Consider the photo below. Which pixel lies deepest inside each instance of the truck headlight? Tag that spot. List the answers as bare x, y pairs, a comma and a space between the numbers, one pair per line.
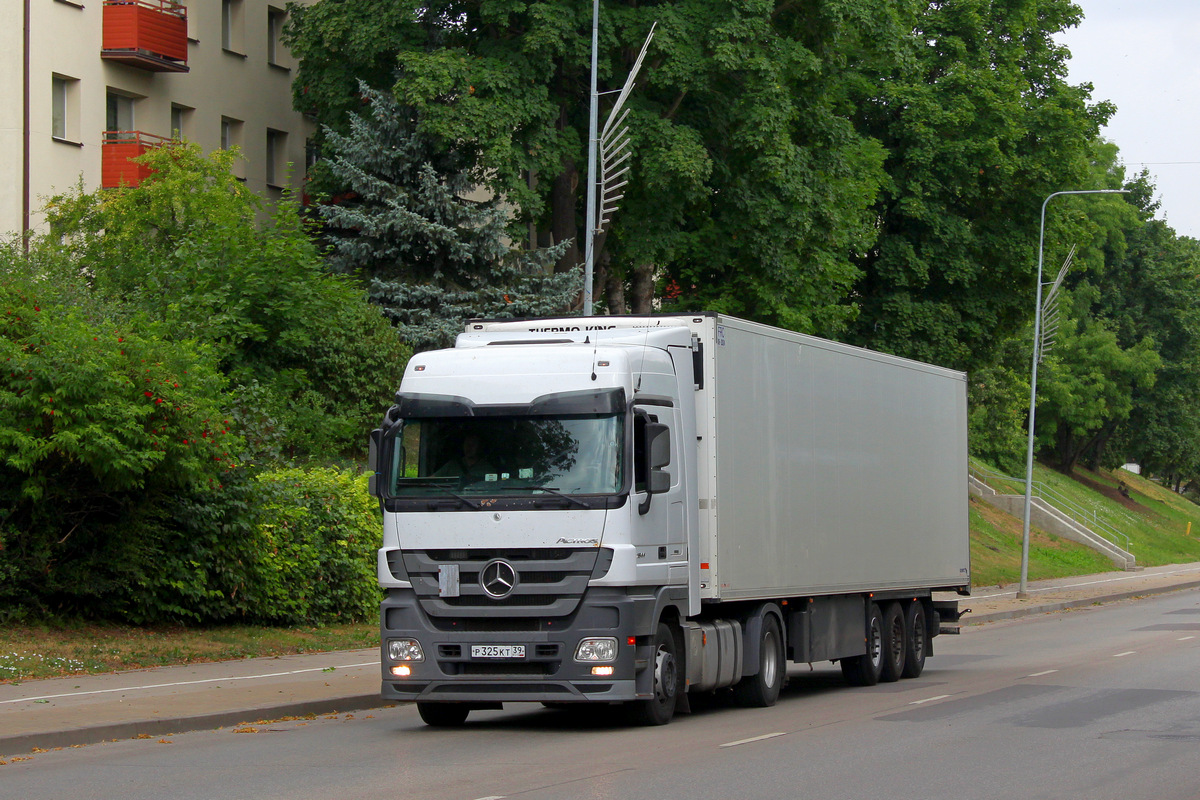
597, 649
405, 650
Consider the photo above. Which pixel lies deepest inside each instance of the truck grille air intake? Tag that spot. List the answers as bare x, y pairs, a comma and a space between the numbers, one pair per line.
547, 582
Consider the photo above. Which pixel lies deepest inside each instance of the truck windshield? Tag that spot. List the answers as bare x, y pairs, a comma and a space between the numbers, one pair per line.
578, 454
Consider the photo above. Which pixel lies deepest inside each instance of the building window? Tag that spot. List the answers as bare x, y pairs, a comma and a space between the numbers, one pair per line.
276, 157
181, 121
118, 113
231, 133
64, 108
275, 49
232, 25
231, 137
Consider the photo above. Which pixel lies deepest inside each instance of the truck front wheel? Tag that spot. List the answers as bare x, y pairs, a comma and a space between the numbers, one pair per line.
667, 679
443, 715
762, 690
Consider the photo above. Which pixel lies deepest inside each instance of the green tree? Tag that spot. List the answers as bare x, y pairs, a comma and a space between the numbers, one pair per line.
316, 363
980, 126
1086, 388
432, 254
101, 418
751, 184
1149, 289
157, 347
998, 406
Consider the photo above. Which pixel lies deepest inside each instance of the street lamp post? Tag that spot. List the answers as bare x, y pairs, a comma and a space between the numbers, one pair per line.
1037, 355
593, 137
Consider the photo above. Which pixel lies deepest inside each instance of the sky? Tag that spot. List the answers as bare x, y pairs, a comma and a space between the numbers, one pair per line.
1143, 57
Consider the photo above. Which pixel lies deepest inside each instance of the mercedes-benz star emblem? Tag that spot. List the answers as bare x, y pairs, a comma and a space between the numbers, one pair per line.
498, 579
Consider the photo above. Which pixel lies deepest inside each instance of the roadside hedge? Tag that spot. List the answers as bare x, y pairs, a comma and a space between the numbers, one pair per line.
291, 546
316, 536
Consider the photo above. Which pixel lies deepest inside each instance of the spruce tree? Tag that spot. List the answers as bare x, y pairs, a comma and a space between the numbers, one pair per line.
410, 224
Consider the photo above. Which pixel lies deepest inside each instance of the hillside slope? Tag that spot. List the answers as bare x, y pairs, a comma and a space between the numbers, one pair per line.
1154, 518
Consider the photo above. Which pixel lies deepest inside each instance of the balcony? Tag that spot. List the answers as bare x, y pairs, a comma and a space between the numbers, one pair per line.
119, 146
148, 34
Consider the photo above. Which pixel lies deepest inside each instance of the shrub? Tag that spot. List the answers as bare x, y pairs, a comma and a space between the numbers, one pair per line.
99, 417
316, 535
187, 247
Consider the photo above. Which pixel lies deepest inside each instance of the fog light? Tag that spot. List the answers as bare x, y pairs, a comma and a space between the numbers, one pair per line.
597, 649
402, 671
602, 670
405, 650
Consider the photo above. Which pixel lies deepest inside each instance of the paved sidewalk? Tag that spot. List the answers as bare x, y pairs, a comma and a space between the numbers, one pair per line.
992, 603
76, 710
84, 709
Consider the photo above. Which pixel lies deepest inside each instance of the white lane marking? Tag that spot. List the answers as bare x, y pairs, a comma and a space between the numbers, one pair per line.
754, 739
929, 699
492, 797
1185, 638
1043, 672
228, 679
1126, 653
1082, 583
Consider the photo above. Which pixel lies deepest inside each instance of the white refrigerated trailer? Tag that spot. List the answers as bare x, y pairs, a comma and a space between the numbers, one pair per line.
632, 509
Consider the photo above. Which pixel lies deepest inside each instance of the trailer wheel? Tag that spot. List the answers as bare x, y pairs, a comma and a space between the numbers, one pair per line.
894, 643
443, 715
667, 679
864, 670
914, 635
762, 690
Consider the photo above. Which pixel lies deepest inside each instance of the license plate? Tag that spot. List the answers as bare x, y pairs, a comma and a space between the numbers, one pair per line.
497, 651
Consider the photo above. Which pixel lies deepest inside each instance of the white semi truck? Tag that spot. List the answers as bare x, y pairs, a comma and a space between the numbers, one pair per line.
631, 509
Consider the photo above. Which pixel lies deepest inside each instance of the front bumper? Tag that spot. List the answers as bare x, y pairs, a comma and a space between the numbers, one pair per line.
547, 673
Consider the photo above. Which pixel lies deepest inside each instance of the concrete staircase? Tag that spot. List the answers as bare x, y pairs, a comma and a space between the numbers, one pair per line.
1053, 520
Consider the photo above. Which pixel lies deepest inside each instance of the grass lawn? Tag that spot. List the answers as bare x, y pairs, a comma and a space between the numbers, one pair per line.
996, 551
1153, 517
29, 651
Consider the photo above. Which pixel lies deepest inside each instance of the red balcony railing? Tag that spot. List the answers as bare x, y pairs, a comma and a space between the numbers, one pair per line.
119, 146
150, 34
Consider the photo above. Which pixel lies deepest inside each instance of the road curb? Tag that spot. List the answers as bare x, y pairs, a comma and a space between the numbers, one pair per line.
1046, 608
166, 726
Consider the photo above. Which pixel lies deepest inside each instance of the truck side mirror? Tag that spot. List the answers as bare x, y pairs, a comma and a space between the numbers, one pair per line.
373, 487
658, 444
657, 450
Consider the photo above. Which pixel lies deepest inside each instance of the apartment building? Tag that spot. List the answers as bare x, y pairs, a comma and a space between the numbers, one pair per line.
86, 84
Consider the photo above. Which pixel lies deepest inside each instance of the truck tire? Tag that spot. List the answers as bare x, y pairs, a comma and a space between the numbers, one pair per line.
894, 644
762, 690
667, 683
864, 670
443, 715
915, 637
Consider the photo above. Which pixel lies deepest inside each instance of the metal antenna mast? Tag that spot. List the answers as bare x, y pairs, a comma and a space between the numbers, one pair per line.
1050, 311
610, 148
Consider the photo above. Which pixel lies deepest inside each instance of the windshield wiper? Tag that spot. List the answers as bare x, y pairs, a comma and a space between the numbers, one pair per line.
554, 491
436, 485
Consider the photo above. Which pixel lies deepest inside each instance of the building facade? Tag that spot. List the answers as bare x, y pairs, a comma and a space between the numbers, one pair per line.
86, 84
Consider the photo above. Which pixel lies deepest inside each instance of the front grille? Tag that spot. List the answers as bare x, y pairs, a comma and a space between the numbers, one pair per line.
550, 581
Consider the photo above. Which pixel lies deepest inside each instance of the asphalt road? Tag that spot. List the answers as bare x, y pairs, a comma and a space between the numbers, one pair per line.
1099, 703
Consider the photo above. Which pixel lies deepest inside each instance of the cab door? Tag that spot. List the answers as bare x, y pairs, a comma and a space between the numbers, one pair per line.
658, 513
